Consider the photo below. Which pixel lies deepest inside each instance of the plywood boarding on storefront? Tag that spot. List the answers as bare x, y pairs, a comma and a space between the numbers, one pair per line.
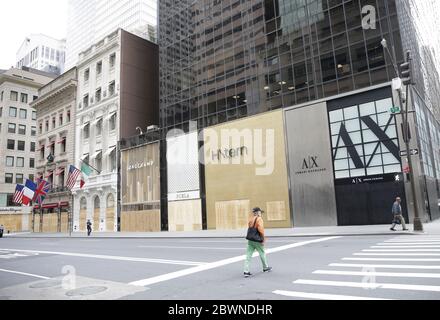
37, 223
185, 215
64, 222
110, 219
50, 223
11, 222
140, 221
229, 184
96, 219
83, 220
232, 214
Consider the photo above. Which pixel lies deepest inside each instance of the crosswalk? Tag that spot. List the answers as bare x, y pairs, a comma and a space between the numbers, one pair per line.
405, 267
8, 255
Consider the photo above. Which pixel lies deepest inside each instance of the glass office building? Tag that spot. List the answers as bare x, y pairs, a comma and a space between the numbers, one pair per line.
223, 60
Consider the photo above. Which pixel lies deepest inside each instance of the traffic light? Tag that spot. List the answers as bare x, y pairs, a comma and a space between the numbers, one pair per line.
405, 71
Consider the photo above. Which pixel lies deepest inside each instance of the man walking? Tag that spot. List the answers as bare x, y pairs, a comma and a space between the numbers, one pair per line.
256, 222
398, 215
89, 228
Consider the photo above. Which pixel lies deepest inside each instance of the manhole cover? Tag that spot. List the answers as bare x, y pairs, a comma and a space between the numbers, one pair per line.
86, 291
45, 284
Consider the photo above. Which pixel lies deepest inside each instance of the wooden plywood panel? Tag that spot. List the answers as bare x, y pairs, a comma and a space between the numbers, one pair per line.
65, 222
50, 223
11, 222
110, 219
185, 215
231, 215
37, 223
83, 220
140, 221
276, 211
96, 220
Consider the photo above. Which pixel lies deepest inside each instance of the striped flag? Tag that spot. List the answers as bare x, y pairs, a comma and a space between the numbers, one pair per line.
43, 188
18, 195
29, 192
72, 177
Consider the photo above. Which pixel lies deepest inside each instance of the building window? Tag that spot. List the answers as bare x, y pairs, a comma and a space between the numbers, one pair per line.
20, 162
12, 127
63, 145
68, 116
32, 146
52, 147
23, 114
21, 146
112, 60
86, 75
112, 122
111, 88
14, 96
19, 178
33, 131
98, 162
99, 68
87, 131
31, 177
22, 129
34, 115
112, 158
12, 112
98, 95
11, 144
35, 98
40, 128
61, 119
99, 127
9, 178
31, 163
9, 161
42, 151
1, 97
54, 122
86, 101
1, 111
24, 98
47, 125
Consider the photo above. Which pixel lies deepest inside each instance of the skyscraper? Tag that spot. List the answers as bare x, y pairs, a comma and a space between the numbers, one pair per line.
92, 20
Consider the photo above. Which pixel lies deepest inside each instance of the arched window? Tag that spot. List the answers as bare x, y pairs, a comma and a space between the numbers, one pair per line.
83, 203
97, 203
110, 201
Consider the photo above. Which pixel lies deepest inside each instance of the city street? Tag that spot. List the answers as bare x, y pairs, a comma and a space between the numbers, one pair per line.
323, 267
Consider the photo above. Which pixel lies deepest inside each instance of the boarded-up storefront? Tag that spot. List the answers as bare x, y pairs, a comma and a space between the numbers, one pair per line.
245, 167
140, 189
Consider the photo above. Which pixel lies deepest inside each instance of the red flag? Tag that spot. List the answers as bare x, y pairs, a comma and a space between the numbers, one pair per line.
82, 183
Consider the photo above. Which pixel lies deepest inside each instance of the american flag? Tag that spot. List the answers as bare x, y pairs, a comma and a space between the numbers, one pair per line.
73, 176
43, 188
18, 195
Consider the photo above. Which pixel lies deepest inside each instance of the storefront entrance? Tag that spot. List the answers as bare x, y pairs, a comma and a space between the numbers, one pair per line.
363, 202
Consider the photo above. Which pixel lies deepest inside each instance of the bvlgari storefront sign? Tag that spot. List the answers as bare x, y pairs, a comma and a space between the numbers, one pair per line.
310, 164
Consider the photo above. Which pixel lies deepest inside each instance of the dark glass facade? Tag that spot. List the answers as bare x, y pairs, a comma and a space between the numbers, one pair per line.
224, 60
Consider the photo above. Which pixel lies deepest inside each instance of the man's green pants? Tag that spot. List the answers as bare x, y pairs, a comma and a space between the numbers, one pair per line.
252, 246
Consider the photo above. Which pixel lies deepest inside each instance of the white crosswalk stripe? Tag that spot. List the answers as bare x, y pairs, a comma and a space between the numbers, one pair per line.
411, 262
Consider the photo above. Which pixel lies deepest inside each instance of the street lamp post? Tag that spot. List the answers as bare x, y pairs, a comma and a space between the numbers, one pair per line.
418, 225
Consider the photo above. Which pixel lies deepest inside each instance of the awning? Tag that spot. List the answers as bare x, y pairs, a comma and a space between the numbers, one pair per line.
84, 125
59, 171
110, 150
97, 154
41, 147
49, 174
50, 145
48, 206
64, 204
84, 157
97, 120
62, 140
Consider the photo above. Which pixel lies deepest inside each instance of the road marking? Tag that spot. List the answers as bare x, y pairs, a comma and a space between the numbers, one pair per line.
378, 274
396, 254
409, 244
392, 286
25, 274
221, 263
391, 259
413, 240
319, 296
384, 266
131, 259
197, 248
403, 247
401, 250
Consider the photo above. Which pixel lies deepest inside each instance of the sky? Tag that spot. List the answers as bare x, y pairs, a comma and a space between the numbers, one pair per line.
20, 18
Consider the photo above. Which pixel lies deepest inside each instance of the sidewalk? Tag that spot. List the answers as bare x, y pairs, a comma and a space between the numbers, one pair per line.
432, 228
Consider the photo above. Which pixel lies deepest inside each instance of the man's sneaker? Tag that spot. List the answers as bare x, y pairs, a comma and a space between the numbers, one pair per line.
247, 274
269, 269
392, 229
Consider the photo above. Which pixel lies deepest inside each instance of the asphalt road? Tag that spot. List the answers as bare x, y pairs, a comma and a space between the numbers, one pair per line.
352, 267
